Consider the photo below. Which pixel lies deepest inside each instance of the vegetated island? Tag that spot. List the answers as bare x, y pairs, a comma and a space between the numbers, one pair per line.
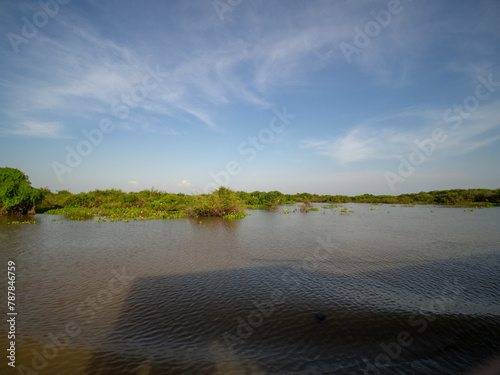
17, 196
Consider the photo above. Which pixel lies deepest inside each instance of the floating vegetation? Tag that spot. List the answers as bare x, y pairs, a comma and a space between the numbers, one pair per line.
372, 208
286, 212
306, 206
73, 213
331, 206
344, 210
235, 215
304, 209
23, 222
136, 214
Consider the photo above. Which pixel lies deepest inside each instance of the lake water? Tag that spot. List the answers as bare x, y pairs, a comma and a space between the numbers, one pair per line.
402, 290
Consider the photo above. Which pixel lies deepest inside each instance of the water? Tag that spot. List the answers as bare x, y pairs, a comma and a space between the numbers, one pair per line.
404, 290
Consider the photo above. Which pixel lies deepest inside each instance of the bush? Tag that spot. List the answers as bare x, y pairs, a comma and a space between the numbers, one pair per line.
17, 196
221, 202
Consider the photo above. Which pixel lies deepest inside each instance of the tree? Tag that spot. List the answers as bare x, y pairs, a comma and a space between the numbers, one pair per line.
17, 196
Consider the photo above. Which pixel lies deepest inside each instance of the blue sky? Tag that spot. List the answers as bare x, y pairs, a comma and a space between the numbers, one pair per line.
329, 97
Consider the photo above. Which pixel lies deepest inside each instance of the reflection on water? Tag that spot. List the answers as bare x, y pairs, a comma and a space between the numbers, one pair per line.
404, 291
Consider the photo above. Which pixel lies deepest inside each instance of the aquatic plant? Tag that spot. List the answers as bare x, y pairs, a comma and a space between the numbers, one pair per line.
344, 210
306, 206
73, 213
23, 222
238, 215
332, 206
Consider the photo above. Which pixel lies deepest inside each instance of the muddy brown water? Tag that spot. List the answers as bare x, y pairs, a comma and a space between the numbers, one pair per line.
403, 291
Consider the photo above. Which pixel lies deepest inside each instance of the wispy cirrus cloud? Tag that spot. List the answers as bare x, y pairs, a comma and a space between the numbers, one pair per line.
36, 129
89, 69
372, 140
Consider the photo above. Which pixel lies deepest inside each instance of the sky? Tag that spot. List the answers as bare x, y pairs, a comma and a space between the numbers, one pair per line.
327, 97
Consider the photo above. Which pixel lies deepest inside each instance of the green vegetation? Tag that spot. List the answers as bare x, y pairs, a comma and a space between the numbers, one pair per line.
459, 197
344, 210
115, 205
17, 196
331, 206
222, 202
239, 215
23, 222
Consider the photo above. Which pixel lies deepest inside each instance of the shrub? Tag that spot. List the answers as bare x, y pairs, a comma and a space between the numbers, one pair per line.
221, 202
17, 196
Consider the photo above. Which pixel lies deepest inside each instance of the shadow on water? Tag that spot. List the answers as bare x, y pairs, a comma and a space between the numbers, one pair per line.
9, 219
262, 321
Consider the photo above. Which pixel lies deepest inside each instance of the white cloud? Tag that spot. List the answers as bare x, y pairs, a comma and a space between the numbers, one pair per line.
37, 129
89, 71
374, 141
245, 62
184, 184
